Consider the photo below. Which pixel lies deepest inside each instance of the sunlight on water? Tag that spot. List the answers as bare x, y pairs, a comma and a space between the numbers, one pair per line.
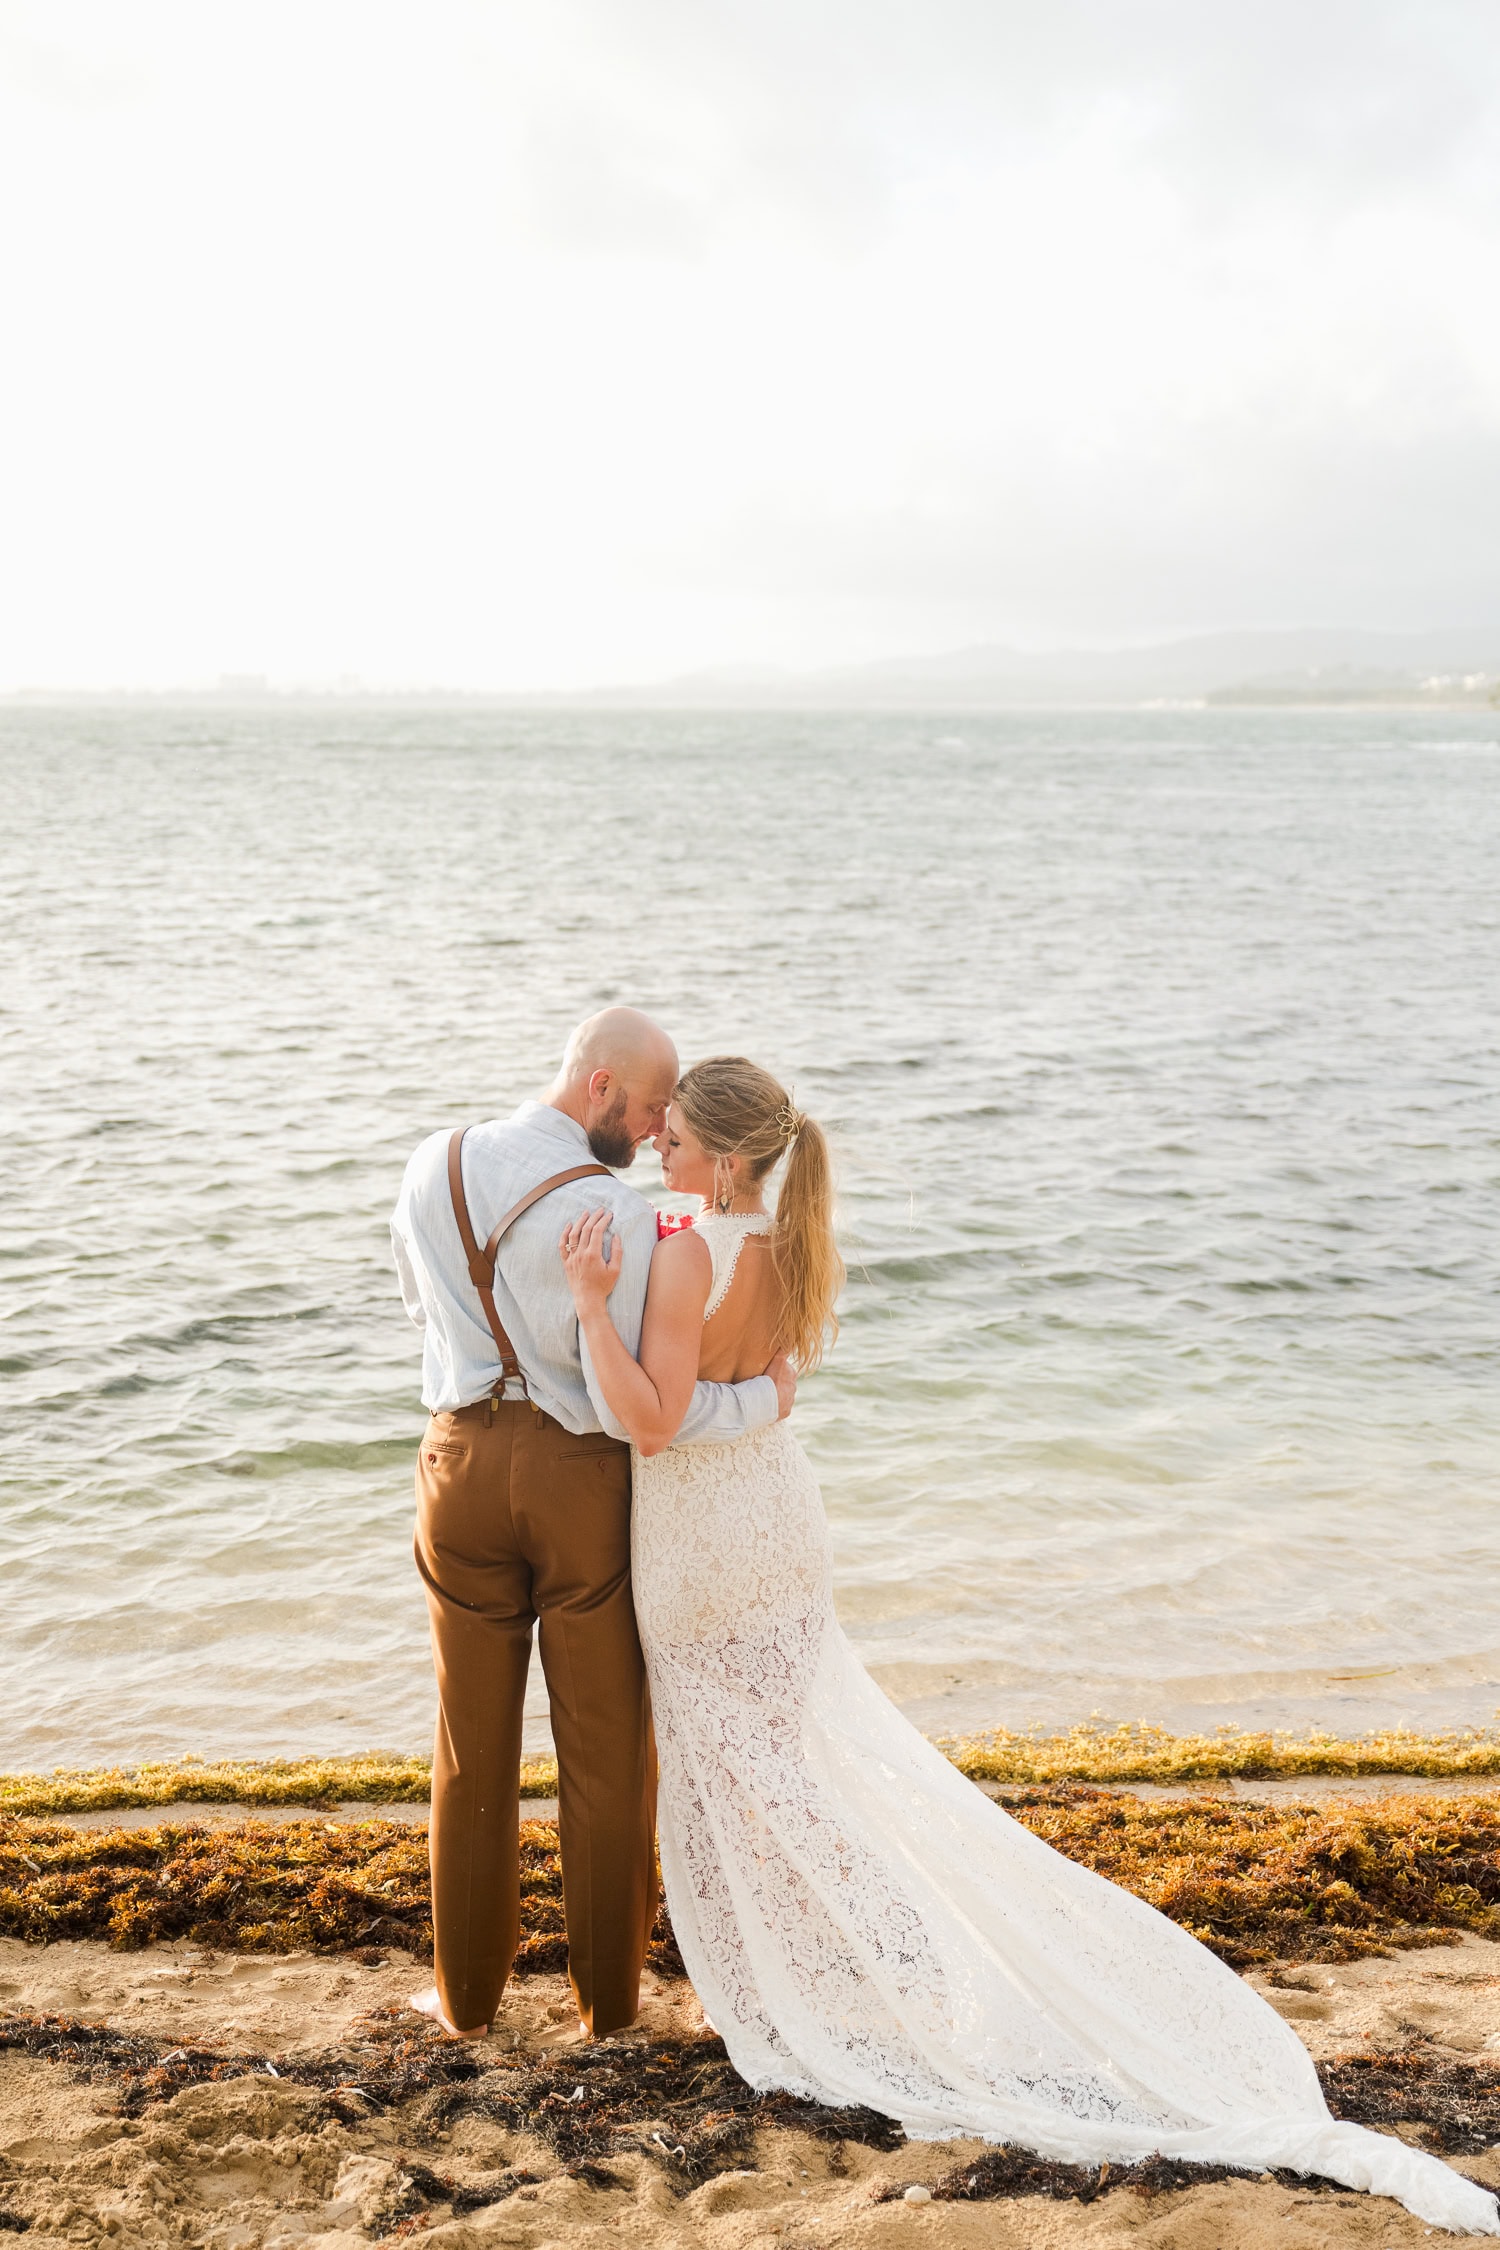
1161, 1053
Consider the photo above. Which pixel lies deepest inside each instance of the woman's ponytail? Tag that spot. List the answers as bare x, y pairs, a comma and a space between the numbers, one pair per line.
808, 1264
736, 1109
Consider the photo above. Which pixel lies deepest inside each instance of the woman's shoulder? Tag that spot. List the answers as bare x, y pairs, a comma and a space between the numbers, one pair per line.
681, 1250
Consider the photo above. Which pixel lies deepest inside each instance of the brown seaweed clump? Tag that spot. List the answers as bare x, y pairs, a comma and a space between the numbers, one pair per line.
1257, 1883
1292, 1882
1456, 2104
308, 1886
1003, 2173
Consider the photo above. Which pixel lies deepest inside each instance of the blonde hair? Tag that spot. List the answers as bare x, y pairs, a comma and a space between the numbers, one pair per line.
734, 1108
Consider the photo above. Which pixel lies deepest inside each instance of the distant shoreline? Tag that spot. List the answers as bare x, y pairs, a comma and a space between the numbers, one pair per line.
1314, 668
623, 705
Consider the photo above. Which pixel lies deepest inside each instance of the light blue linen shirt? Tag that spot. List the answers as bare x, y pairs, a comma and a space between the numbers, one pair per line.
460, 1361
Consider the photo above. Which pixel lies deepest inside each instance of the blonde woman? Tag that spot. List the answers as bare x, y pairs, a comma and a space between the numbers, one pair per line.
860, 1923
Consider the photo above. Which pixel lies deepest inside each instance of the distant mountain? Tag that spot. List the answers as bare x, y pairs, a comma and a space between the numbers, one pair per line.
1457, 665
1461, 664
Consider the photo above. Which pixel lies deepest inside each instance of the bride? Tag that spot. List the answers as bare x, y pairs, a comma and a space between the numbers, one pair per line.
861, 1924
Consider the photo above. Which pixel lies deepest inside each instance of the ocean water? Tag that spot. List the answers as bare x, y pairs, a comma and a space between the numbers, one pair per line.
1161, 1053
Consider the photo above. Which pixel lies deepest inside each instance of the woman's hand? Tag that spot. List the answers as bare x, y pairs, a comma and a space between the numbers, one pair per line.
591, 1272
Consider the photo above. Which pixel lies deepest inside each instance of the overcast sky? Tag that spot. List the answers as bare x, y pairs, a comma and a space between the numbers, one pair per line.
517, 345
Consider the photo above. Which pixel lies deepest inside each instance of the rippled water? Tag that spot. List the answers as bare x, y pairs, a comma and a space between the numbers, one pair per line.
1162, 1053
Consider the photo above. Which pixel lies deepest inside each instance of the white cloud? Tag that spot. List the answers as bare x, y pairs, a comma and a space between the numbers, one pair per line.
497, 344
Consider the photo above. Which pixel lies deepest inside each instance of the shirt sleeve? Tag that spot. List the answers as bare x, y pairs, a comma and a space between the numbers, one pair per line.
406, 1272
716, 1412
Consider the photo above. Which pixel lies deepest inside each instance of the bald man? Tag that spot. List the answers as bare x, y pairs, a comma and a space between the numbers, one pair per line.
523, 1515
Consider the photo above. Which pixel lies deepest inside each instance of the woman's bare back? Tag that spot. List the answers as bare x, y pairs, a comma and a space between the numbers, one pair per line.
743, 1331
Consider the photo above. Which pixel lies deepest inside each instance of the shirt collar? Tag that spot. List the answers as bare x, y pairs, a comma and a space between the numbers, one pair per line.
541, 1117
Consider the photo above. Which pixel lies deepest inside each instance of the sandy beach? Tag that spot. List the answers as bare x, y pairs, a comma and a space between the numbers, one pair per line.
256, 2100
252, 2161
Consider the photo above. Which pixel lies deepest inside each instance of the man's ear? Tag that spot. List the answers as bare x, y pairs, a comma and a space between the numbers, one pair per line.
599, 1085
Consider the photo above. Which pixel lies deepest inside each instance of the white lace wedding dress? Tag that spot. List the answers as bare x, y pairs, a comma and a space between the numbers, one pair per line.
863, 1925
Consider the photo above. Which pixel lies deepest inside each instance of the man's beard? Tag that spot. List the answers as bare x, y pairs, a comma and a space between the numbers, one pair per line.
610, 1142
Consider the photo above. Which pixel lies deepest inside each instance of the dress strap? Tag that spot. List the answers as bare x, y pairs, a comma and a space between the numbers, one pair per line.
726, 1233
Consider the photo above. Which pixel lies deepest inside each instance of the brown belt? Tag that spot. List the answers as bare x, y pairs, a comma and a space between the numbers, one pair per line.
482, 1262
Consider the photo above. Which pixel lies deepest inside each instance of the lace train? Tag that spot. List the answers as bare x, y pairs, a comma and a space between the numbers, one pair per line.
863, 1925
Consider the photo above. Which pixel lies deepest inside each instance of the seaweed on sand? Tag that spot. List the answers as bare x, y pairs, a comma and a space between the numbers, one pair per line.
1288, 1882
1456, 2104
253, 1887
393, 2057
375, 1777
1257, 1883
1002, 2173
1138, 1752
314, 1886
421, 2186
1093, 1752
679, 2102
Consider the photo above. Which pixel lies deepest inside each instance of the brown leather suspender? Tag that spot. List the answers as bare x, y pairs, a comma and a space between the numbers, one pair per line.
482, 1262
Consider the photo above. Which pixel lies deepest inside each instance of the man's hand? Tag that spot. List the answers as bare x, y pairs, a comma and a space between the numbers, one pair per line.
784, 1376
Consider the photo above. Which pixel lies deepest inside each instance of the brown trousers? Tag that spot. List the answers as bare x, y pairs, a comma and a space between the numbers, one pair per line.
518, 1520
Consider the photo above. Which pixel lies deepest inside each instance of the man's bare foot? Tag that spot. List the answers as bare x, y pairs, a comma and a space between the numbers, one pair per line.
428, 2004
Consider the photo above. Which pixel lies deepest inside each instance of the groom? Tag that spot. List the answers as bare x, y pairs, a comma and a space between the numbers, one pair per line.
523, 1515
